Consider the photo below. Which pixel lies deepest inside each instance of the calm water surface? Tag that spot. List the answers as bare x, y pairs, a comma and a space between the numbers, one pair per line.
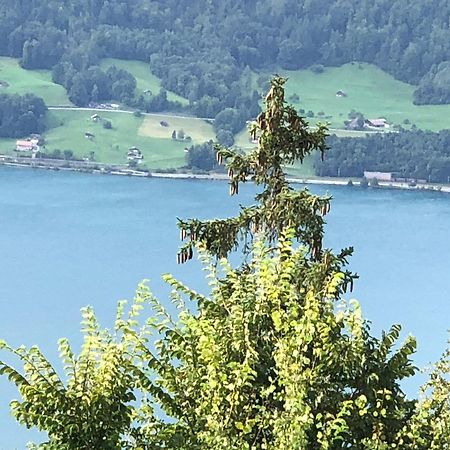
68, 240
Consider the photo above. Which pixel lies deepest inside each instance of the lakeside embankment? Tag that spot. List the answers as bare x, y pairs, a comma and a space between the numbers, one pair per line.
124, 170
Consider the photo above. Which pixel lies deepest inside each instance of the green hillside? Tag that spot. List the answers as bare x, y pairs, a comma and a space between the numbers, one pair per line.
110, 146
369, 90
144, 78
15, 80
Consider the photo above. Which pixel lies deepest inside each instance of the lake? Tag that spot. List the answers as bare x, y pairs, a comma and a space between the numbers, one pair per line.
68, 240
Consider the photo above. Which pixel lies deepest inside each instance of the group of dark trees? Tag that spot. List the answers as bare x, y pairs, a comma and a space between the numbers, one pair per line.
205, 50
202, 156
93, 84
410, 154
227, 123
21, 115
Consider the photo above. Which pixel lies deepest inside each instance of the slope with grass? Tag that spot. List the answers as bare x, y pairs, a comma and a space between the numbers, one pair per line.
111, 145
66, 131
368, 90
145, 80
15, 80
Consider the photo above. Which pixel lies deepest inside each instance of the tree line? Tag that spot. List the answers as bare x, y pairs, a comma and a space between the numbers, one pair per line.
410, 154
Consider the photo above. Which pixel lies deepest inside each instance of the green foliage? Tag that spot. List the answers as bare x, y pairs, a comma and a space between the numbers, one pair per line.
229, 119
419, 155
364, 183
274, 360
429, 428
92, 407
202, 156
225, 138
21, 116
94, 84
434, 86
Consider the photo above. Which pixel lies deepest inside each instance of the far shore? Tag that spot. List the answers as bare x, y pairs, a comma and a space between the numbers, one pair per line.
123, 170
317, 180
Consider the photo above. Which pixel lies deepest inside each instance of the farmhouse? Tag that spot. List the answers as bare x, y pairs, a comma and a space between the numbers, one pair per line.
341, 94
88, 135
134, 154
376, 123
95, 117
30, 145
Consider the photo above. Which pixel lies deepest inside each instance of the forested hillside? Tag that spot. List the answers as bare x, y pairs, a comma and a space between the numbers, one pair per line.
204, 49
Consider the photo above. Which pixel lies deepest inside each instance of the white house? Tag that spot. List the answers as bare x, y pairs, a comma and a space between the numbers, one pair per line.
27, 145
380, 176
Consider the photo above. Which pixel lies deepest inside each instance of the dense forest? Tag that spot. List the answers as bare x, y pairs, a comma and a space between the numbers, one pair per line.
411, 154
205, 50
21, 115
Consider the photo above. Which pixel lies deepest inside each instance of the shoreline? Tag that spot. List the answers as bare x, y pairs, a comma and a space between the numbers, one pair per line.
122, 170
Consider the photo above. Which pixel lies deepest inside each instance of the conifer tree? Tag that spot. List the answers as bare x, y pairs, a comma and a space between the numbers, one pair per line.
283, 138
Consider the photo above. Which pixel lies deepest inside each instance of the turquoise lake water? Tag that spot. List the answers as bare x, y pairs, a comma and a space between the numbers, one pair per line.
68, 240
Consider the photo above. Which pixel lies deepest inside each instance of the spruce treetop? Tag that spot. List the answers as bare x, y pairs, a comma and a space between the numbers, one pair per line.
283, 138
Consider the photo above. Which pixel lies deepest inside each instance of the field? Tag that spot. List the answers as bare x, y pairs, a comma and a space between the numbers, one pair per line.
144, 78
15, 80
199, 130
67, 129
369, 91
110, 146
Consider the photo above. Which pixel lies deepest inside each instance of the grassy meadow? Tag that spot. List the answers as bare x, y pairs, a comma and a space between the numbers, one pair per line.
369, 90
144, 78
199, 130
110, 146
67, 132
15, 80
